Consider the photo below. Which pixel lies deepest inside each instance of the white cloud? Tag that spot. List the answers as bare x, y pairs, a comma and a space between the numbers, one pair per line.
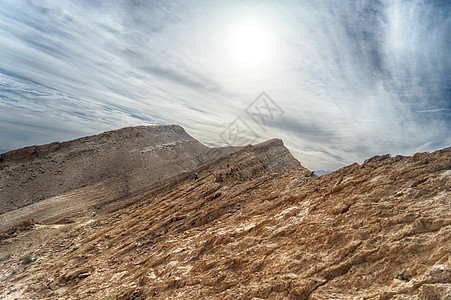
354, 78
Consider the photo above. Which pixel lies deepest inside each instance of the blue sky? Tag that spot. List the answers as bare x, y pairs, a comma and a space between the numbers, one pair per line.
345, 80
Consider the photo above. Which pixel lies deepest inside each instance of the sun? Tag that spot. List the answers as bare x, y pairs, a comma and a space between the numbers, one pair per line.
249, 43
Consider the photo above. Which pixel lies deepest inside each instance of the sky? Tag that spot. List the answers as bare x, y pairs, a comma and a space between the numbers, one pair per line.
338, 81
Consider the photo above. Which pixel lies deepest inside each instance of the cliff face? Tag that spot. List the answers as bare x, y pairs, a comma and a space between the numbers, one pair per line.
66, 179
379, 230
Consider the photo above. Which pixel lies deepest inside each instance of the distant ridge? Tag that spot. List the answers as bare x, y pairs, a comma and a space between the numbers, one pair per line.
112, 135
321, 172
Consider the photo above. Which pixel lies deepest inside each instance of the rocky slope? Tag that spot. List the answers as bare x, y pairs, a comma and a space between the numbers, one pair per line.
62, 179
379, 230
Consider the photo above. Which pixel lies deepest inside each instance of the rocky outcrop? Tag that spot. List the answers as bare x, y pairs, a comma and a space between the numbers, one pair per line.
255, 161
379, 230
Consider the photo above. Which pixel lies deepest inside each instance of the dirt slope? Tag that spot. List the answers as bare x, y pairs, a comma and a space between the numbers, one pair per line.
379, 230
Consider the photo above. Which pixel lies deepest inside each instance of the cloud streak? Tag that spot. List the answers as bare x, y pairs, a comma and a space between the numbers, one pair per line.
353, 78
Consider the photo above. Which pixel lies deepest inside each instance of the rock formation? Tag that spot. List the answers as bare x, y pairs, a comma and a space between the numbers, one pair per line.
379, 230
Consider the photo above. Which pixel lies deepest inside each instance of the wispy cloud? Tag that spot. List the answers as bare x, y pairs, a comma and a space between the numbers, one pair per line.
354, 78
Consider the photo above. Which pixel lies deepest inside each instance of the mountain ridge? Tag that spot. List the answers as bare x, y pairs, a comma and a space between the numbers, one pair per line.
111, 166
28, 152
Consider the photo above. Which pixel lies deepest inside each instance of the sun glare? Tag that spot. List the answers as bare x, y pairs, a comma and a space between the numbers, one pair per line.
249, 44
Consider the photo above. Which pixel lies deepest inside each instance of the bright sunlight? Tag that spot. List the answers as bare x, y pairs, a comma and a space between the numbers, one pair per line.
249, 44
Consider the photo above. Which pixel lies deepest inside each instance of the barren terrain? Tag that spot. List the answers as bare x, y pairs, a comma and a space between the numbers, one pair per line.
250, 228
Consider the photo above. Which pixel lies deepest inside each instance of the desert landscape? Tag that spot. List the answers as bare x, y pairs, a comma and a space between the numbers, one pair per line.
120, 215
229, 149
